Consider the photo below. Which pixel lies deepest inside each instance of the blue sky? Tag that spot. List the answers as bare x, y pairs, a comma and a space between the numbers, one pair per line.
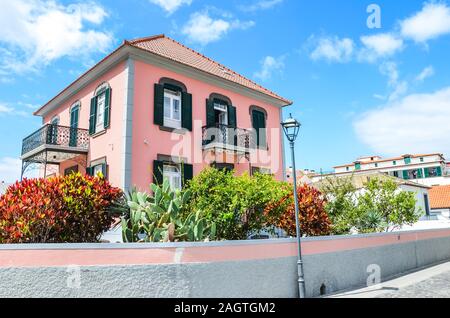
357, 90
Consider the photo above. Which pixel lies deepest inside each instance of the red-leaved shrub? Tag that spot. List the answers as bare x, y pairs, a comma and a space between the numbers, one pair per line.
314, 220
72, 209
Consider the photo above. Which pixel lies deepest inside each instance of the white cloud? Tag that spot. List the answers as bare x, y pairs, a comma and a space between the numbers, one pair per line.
4, 109
10, 169
260, 5
417, 123
426, 73
269, 66
203, 29
380, 45
431, 22
398, 88
390, 70
333, 49
171, 5
36, 32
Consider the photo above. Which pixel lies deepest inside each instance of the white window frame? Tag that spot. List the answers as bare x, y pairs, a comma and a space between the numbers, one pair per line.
97, 168
172, 172
171, 120
100, 114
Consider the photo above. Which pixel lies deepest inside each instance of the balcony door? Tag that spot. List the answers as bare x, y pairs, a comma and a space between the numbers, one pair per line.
52, 133
221, 116
74, 114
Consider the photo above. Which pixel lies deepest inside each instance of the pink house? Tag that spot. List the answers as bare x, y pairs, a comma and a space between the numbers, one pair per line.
154, 108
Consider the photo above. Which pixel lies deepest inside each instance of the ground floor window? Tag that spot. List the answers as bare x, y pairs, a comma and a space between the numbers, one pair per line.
259, 170
223, 166
172, 173
71, 170
98, 166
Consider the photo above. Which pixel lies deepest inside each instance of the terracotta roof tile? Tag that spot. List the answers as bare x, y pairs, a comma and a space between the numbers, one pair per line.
440, 197
173, 50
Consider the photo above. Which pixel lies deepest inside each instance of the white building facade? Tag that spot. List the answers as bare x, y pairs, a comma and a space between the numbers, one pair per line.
426, 169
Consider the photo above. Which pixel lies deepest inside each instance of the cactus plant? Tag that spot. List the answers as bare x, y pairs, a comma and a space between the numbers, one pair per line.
157, 217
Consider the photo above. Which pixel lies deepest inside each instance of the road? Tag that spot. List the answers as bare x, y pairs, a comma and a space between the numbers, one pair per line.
433, 282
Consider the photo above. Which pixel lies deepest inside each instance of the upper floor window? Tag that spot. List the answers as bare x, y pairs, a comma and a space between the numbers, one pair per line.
173, 105
99, 118
259, 117
172, 109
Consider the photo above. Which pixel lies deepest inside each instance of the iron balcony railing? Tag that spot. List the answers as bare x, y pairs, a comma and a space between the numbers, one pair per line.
55, 135
228, 136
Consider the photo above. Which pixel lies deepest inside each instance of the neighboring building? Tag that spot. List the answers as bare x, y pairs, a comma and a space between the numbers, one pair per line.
360, 180
440, 200
427, 169
303, 176
155, 108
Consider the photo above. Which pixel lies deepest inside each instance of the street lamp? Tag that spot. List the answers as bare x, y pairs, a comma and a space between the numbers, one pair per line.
291, 129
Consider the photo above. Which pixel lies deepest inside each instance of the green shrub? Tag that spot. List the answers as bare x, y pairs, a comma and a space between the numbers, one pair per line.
235, 203
74, 209
158, 218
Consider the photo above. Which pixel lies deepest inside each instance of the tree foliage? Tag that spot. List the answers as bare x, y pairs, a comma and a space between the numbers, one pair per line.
313, 218
379, 206
235, 203
73, 209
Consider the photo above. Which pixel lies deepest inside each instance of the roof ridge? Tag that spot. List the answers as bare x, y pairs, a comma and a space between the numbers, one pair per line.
147, 38
150, 38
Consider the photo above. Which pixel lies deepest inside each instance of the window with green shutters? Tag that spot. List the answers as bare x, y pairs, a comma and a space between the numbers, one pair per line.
183, 172
100, 111
259, 124
405, 174
407, 160
172, 107
358, 166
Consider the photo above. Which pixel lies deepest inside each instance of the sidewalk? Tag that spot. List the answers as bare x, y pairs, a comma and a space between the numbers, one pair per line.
433, 282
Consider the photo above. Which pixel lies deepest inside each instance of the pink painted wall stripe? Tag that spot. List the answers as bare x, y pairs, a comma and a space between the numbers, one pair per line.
201, 254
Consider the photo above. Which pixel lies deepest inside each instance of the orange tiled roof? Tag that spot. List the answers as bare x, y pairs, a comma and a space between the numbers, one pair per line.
175, 51
166, 47
440, 197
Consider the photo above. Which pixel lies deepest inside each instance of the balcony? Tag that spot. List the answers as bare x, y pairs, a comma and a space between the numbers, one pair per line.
54, 144
226, 138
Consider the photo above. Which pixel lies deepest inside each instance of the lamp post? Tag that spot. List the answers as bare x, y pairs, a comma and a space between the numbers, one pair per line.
291, 129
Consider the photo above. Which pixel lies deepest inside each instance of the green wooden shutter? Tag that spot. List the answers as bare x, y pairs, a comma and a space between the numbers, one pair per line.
210, 113
188, 173
420, 173
89, 171
426, 172
232, 116
158, 167
93, 116
439, 171
259, 124
74, 115
158, 111
107, 108
405, 174
186, 111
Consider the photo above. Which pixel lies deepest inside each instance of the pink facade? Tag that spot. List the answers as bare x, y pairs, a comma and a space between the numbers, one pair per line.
132, 141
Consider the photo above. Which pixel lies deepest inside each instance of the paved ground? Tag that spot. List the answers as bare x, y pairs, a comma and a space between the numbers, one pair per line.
433, 282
